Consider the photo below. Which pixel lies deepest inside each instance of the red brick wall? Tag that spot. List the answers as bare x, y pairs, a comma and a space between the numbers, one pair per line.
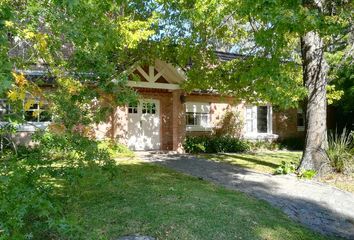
172, 118
285, 124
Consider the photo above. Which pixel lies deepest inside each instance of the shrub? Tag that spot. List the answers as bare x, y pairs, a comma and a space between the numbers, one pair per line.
339, 151
214, 144
6, 142
28, 206
292, 143
37, 183
115, 149
286, 168
307, 174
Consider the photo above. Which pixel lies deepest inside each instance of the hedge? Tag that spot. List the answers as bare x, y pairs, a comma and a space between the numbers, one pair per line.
215, 144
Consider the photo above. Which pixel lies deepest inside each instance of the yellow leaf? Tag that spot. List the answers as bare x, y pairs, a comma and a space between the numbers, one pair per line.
28, 34
9, 24
28, 104
19, 79
12, 95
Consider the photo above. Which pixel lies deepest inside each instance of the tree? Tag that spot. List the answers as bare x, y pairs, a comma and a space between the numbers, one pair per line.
281, 49
87, 47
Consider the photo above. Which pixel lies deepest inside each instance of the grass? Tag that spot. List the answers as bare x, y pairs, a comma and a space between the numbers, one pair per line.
268, 161
265, 162
341, 181
140, 198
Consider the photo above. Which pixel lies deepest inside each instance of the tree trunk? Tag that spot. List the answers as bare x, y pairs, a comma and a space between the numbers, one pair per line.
315, 70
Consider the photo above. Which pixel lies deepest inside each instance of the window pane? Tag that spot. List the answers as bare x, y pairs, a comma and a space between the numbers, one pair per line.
153, 108
31, 116
190, 119
250, 119
197, 119
204, 120
262, 123
45, 116
149, 108
38, 113
133, 108
145, 107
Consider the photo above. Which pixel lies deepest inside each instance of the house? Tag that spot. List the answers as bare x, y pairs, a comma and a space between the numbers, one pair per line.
166, 114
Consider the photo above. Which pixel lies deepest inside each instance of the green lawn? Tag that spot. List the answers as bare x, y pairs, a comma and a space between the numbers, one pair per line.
139, 198
268, 161
265, 162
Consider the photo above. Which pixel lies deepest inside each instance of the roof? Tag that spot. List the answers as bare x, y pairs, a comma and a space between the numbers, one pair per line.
227, 56
39, 74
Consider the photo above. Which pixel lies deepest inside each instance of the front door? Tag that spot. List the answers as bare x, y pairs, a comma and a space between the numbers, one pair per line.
144, 125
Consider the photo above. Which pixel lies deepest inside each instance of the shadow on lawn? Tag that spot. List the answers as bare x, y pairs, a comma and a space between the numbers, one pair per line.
314, 214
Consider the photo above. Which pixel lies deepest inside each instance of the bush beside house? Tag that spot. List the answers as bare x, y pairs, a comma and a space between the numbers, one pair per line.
215, 144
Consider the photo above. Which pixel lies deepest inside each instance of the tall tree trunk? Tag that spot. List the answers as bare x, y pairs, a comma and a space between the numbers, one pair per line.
315, 70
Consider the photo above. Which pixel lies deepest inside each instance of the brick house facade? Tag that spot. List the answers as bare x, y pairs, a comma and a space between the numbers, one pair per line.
178, 114
166, 114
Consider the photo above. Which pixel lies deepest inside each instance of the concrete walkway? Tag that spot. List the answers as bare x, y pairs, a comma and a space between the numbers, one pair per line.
320, 207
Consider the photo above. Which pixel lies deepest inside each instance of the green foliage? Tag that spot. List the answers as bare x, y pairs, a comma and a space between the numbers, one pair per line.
115, 149
215, 144
28, 207
307, 174
339, 151
342, 77
86, 48
5, 64
6, 132
74, 148
265, 35
37, 183
286, 168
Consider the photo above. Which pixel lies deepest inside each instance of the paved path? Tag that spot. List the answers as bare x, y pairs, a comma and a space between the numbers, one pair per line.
320, 207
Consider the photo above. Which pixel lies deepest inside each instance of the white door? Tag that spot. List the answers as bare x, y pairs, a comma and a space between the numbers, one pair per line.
144, 125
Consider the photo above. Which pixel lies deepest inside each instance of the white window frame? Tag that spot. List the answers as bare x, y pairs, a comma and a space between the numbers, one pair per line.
28, 126
254, 134
300, 128
199, 108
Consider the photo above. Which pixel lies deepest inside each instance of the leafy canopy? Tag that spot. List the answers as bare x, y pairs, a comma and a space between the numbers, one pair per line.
88, 47
265, 36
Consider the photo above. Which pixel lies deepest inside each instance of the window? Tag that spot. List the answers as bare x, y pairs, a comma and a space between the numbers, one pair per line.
197, 119
37, 113
258, 119
262, 119
4, 109
133, 108
198, 116
36, 116
300, 120
149, 108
